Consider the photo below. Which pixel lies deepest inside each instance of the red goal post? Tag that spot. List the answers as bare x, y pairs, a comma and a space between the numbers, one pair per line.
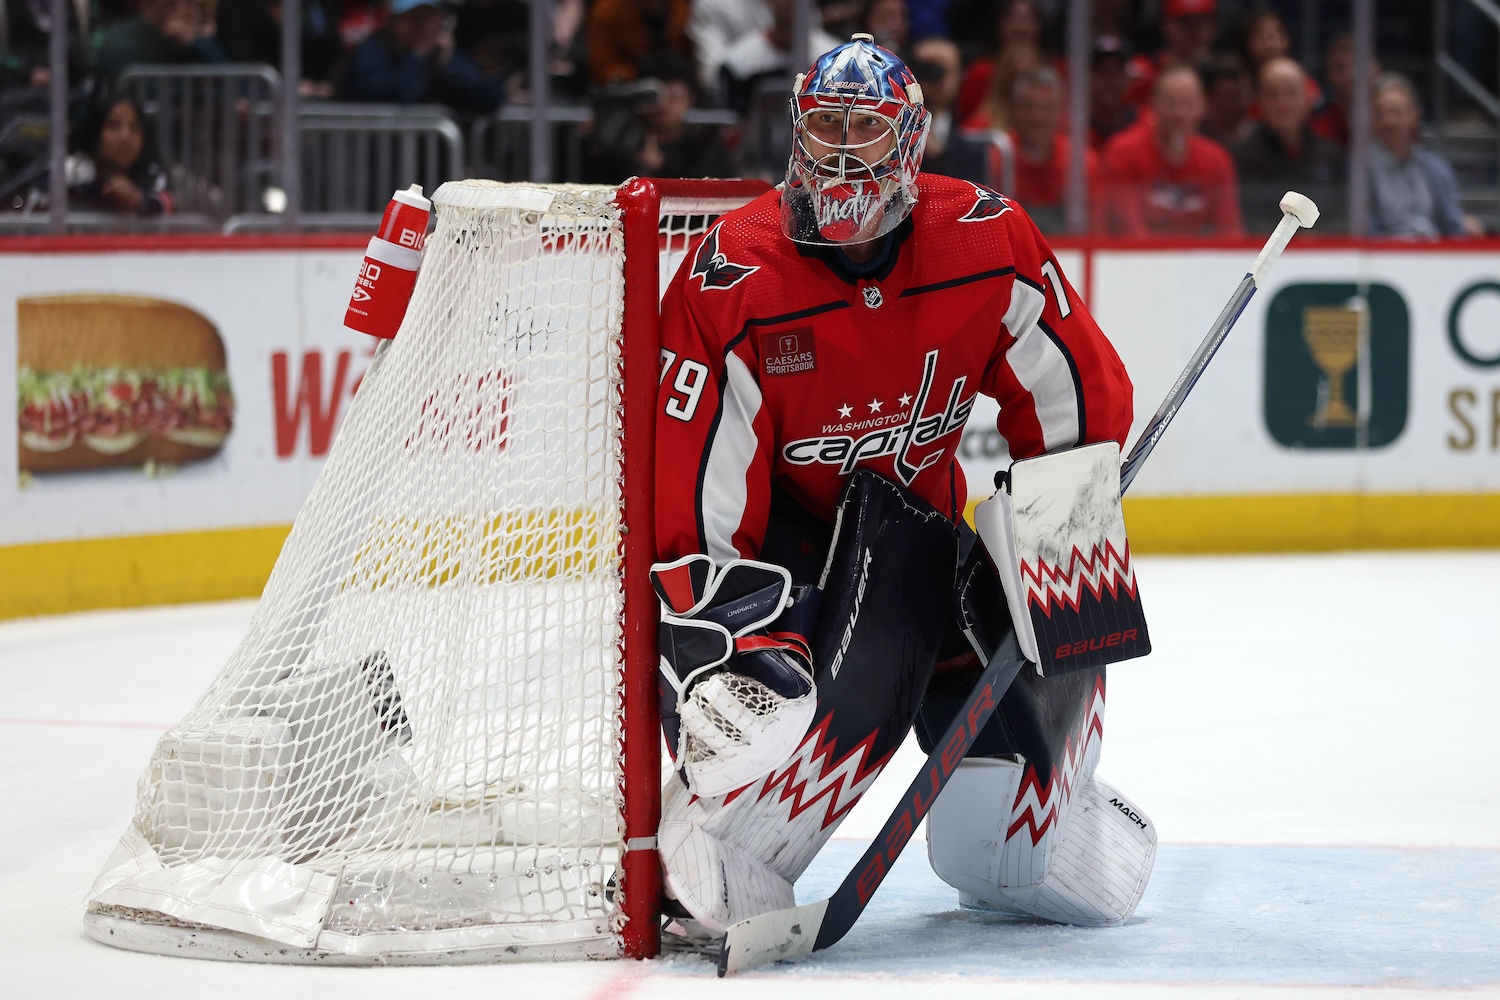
439, 740
647, 204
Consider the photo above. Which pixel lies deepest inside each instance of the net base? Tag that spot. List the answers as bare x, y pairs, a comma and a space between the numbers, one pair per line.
155, 933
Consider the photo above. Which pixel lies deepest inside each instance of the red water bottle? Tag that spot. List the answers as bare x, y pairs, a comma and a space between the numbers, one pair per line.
388, 273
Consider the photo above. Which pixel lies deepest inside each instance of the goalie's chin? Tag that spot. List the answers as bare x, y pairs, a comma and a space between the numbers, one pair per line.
766, 742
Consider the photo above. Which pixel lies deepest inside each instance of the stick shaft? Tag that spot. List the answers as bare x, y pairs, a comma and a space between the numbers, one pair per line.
1206, 350
846, 904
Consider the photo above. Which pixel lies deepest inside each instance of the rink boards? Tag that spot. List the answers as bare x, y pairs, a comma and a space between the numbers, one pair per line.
1356, 405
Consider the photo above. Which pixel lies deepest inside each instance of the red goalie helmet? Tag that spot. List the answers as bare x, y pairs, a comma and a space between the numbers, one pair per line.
858, 130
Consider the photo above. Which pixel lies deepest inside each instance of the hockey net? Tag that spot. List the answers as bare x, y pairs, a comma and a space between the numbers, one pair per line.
437, 741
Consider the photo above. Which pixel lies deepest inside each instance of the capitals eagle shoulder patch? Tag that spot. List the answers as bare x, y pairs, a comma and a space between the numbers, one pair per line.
987, 205
713, 269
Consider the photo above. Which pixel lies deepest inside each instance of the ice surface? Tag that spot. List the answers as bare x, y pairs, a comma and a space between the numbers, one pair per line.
1314, 737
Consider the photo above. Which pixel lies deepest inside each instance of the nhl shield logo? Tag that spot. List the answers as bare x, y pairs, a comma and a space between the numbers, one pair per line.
873, 298
987, 205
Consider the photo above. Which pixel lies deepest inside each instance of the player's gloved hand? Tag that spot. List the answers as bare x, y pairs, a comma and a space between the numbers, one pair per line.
743, 696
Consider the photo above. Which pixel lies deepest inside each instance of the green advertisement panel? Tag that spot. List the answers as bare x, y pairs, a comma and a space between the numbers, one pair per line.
1338, 368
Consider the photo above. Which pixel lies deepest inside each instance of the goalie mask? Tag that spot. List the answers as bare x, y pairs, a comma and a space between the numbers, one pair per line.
858, 129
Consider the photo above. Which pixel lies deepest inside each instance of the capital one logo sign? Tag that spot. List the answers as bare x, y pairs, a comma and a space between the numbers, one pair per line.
1337, 365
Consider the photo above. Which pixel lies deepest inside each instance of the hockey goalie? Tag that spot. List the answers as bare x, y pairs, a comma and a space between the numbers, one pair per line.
821, 593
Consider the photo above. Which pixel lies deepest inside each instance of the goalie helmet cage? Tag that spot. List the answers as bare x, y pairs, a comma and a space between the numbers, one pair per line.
438, 740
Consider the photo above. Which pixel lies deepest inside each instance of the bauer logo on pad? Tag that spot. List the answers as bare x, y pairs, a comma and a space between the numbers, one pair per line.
1057, 535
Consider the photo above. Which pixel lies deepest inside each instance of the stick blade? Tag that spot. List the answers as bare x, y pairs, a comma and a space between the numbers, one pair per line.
769, 937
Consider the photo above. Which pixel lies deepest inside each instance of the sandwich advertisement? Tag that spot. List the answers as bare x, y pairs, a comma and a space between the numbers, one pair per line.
168, 392
108, 381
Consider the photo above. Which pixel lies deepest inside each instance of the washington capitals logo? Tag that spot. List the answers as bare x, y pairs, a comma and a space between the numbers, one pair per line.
987, 205
714, 269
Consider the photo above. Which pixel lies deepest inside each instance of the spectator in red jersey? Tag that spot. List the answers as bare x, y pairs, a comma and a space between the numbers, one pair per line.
1041, 149
1228, 90
1282, 154
1190, 28
1164, 179
622, 32
1109, 111
1265, 37
1018, 25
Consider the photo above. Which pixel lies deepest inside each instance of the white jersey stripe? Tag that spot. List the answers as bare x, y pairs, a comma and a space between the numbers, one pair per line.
1041, 368
729, 459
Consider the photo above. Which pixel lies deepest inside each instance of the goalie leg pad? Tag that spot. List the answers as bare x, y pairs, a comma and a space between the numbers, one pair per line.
713, 876
888, 583
1097, 866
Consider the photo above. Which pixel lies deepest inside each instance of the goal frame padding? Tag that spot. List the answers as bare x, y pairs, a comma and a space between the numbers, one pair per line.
640, 201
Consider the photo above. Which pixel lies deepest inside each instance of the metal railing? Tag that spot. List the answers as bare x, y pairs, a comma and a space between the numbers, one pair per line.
1472, 146
355, 155
215, 128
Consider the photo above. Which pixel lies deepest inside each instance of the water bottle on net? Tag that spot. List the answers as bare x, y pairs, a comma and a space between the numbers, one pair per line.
388, 273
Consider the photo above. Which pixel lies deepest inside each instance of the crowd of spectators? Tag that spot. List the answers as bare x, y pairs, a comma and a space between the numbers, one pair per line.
1198, 117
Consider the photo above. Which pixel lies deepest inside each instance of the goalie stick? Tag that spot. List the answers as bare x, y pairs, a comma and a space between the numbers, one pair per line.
814, 926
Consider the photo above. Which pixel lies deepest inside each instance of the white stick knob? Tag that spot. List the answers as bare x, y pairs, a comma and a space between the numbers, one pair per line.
1301, 208
1300, 212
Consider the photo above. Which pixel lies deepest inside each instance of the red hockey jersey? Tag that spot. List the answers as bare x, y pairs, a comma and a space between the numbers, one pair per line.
778, 369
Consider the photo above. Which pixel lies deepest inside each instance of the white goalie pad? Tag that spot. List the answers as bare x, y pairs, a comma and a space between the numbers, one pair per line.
1096, 867
1056, 533
708, 868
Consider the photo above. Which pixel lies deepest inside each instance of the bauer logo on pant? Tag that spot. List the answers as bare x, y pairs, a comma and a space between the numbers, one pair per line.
1337, 373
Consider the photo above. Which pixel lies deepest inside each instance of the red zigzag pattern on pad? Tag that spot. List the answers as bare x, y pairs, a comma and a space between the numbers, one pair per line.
811, 775
1104, 568
1037, 807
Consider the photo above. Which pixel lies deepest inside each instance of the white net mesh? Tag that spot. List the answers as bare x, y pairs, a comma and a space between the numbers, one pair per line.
415, 748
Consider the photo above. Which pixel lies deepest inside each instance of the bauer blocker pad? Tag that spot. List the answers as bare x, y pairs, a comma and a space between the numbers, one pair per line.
1057, 535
